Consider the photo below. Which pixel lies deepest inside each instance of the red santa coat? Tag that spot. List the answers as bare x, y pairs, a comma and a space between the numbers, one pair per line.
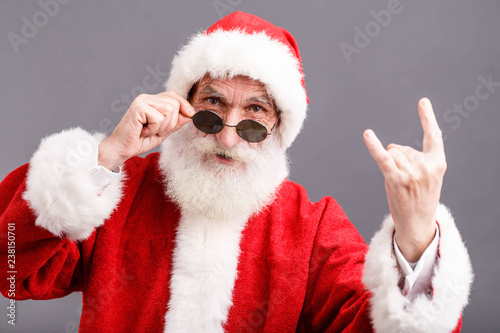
300, 267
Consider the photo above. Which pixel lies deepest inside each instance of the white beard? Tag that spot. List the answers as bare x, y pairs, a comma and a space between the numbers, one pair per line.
214, 190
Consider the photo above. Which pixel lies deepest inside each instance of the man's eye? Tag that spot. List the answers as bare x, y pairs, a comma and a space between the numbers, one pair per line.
256, 108
213, 100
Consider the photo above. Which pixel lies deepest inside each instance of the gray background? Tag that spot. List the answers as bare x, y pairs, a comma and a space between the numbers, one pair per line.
91, 52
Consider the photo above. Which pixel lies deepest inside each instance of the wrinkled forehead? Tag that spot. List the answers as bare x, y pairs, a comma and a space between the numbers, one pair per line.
220, 85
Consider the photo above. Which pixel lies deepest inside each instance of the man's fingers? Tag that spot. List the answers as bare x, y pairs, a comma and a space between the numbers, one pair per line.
176, 111
379, 154
170, 101
152, 121
186, 110
412, 155
401, 159
169, 122
172, 122
181, 121
433, 139
184, 106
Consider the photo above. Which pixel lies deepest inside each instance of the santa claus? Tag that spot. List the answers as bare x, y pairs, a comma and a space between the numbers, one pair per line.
209, 235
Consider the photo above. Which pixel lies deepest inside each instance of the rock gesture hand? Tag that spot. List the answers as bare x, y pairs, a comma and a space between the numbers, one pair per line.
413, 181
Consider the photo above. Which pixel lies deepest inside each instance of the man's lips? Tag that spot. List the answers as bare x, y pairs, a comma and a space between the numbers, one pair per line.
225, 159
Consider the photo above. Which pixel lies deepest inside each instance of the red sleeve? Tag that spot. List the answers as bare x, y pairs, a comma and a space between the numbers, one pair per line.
39, 264
336, 300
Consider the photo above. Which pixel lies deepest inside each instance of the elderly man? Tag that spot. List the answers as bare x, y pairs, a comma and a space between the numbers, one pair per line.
209, 235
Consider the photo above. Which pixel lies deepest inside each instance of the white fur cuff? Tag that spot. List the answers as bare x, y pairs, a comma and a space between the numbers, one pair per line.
391, 311
60, 188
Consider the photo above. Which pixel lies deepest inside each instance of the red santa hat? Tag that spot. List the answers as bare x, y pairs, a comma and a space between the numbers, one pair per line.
244, 44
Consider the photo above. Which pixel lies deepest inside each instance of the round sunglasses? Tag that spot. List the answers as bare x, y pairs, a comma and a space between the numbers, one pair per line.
249, 130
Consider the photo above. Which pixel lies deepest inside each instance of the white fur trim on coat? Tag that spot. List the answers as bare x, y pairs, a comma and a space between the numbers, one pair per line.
60, 187
258, 56
391, 311
204, 271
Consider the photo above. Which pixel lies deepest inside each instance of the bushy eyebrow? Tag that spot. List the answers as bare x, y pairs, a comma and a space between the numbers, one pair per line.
210, 91
264, 99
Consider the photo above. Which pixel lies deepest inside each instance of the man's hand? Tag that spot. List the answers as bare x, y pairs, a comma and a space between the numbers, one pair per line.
149, 120
413, 181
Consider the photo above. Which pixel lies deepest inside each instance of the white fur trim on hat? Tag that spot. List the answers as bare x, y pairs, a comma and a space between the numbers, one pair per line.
391, 311
257, 56
61, 189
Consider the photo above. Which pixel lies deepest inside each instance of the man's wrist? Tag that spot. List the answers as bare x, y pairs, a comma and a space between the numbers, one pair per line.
417, 276
107, 158
412, 244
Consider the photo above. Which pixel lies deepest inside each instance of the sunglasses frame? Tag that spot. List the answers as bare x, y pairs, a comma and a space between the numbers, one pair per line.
236, 126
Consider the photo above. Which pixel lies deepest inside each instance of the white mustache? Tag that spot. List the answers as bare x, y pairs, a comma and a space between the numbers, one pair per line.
210, 145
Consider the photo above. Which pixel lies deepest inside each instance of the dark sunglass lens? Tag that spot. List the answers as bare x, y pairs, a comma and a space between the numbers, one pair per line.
251, 131
207, 122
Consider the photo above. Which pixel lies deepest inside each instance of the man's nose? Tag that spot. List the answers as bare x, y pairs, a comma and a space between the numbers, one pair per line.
227, 137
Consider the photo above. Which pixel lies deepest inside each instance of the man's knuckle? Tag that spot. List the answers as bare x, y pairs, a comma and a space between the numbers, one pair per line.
407, 178
396, 178
172, 94
432, 167
418, 177
176, 104
441, 166
170, 107
136, 107
426, 167
437, 134
385, 159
